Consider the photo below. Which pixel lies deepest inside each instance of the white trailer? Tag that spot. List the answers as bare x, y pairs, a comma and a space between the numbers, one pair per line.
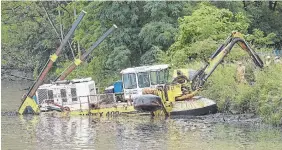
72, 94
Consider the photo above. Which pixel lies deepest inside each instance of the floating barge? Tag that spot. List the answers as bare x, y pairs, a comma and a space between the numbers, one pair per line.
79, 97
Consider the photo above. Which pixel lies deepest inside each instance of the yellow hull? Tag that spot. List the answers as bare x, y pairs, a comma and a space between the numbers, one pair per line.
199, 106
102, 111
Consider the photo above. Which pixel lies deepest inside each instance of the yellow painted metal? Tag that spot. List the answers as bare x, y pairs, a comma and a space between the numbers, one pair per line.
186, 96
214, 61
169, 100
29, 102
102, 111
173, 91
77, 62
237, 34
159, 113
53, 57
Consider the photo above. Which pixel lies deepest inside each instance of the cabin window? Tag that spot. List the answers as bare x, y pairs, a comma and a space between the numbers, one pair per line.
50, 95
73, 94
143, 79
153, 75
161, 77
166, 75
64, 95
129, 81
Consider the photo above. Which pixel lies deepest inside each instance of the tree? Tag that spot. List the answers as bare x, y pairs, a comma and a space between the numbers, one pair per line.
137, 38
264, 15
200, 32
28, 38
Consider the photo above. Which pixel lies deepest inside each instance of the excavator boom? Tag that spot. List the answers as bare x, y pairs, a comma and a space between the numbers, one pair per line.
204, 73
27, 101
174, 99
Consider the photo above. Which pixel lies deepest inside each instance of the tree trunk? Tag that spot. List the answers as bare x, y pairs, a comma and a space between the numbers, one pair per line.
274, 5
245, 5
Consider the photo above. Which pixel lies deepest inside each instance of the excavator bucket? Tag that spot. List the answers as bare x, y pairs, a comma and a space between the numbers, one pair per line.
29, 107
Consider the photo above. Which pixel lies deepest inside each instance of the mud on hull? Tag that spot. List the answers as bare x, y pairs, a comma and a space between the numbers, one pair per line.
197, 106
197, 112
147, 103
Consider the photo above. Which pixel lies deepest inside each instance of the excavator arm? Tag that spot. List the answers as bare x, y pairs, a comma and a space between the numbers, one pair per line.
204, 73
170, 93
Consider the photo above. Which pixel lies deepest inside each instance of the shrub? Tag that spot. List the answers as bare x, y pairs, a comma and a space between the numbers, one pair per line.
263, 97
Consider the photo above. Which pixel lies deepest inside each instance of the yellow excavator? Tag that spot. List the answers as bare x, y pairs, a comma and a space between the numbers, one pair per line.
171, 99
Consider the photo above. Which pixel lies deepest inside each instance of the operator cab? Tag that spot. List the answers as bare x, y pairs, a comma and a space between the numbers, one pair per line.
158, 75
136, 79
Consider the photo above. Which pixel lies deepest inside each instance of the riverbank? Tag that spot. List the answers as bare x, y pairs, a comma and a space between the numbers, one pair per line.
261, 94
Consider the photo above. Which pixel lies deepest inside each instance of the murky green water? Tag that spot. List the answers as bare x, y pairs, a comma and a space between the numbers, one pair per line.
49, 131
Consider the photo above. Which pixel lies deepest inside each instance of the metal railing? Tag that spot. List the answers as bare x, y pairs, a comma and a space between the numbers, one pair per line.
93, 101
99, 100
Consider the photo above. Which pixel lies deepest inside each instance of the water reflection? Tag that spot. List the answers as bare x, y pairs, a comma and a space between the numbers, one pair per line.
88, 132
49, 131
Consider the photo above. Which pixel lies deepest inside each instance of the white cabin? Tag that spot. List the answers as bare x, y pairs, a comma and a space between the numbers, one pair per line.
138, 78
73, 94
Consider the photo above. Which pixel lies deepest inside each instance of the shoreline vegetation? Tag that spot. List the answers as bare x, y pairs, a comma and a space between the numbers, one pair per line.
181, 34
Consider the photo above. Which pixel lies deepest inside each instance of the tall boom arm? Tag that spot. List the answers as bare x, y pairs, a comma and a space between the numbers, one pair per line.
77, 62
27, 100
204, 73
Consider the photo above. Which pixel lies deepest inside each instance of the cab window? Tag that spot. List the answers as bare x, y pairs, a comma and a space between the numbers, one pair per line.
153, 75
143, 79
129, 81
161, 77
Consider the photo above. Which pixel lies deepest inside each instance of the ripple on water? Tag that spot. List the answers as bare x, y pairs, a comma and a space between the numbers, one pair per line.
84, 132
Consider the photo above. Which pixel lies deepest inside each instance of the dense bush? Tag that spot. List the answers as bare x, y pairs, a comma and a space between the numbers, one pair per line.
263, 97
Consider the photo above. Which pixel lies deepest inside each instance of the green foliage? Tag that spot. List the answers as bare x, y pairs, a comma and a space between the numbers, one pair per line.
264, 15
200, 33
233, 6
263, 97
259, 40
28, 38
139, 39
120, 59
209, 21
158, 33
269, 87
270, 23
151, 56
24, 34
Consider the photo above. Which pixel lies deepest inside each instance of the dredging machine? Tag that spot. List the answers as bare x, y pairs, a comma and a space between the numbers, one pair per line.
145, 89
173, 99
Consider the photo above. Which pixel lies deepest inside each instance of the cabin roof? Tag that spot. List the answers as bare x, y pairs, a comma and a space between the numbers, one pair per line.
144, 68
64, 83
